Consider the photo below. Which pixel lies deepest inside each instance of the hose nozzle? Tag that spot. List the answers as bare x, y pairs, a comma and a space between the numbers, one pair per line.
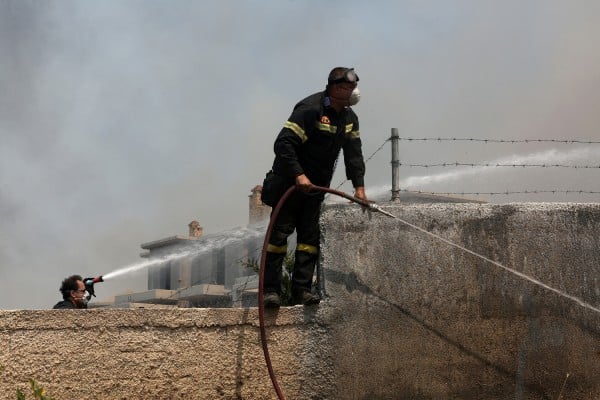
89, 285
375, 207
96, 279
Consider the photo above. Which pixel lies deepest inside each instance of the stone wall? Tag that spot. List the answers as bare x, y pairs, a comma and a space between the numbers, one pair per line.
155, 354
405, 316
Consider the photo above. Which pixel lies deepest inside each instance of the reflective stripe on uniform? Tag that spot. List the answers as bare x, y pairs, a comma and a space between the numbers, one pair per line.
271, 248
294, 127
353, 134
307, 248
326, 127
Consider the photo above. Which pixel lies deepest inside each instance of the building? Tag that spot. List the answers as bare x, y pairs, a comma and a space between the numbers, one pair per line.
204, 270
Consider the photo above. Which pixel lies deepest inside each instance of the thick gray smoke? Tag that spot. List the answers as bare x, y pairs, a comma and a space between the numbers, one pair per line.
120, 122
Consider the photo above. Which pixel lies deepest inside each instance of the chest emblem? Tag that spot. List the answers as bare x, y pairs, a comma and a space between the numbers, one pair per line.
325, 119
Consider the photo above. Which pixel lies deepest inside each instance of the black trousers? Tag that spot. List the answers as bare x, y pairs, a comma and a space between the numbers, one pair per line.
300, 212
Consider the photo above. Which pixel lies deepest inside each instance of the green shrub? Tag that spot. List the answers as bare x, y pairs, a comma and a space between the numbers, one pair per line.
38, 390
286, 275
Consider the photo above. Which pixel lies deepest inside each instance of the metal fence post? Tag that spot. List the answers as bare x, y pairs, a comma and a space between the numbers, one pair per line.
395, 165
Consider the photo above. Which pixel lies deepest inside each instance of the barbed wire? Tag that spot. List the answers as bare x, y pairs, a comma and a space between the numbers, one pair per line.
376, 151
440, 139
459, 164
366, 162
504, 192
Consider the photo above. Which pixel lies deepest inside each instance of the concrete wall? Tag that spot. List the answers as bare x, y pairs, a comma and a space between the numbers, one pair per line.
406, 316
412, 317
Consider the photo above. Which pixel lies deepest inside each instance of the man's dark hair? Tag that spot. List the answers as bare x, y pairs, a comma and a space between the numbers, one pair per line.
69, 284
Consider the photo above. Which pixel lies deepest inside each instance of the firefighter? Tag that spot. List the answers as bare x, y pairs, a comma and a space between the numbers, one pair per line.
306, 152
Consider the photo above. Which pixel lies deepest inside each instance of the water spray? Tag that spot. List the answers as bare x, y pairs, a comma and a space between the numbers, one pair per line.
201, 247
549, 157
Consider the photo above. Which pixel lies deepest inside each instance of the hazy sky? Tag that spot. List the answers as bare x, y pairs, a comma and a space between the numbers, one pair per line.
122, 121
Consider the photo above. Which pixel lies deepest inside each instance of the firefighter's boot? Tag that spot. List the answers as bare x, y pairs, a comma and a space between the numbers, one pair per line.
302, 278
272, 283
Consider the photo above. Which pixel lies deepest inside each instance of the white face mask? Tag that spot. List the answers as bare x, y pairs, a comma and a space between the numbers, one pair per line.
354, 97
82, 301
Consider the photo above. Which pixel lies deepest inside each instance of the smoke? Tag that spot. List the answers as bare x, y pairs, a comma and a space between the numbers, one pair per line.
120, 122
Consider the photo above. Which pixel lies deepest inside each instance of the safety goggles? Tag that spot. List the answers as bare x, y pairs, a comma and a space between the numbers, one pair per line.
349, 76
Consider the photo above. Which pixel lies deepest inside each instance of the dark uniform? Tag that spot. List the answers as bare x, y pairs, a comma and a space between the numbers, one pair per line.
64, 304
309, 144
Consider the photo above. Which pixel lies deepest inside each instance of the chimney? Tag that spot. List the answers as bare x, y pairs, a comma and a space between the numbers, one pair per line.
195, 229
257, 211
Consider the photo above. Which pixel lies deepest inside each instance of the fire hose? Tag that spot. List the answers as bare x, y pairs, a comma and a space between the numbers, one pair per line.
261, 307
